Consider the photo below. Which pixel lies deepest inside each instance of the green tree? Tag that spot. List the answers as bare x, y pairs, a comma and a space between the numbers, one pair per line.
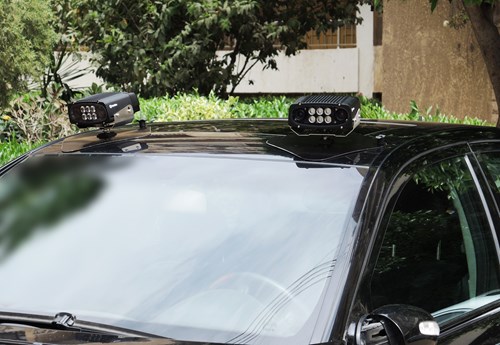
26, 43
157, 47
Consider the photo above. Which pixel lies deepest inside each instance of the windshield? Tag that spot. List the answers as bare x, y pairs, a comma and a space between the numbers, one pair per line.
194, 248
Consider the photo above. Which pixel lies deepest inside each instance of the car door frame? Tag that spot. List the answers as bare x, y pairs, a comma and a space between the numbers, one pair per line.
362, 301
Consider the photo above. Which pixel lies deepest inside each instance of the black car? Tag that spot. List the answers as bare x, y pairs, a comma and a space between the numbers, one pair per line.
254, 232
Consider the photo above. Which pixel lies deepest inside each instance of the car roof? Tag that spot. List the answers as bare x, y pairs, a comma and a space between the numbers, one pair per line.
273, 138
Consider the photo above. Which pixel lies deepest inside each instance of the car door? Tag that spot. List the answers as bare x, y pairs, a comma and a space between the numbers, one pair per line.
440, 250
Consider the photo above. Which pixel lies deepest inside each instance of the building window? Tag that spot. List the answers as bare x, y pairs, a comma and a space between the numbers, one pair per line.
343, 37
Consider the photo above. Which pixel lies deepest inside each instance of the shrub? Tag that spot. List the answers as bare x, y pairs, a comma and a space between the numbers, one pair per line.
8, 129
26, 43
184, 106
195, 107
13, 148
263, 107
33, 118
373, 110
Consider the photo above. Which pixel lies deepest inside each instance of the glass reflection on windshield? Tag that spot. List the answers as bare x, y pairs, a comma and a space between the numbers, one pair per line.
231, 248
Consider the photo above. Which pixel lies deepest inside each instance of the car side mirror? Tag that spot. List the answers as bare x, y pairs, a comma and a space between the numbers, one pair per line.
397, 324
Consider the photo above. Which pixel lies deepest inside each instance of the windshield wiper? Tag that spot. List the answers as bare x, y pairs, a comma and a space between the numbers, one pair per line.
68, 322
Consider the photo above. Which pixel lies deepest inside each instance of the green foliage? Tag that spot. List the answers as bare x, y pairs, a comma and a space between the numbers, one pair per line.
13, 148
450, 179
433, 4
195, 107
26, 43
184, 106
8, 129
492, 163
267, 107
34, 118
63, 66
448, 176
94, 89
63, 69
374, 110
159, 47
64, 25
402, 229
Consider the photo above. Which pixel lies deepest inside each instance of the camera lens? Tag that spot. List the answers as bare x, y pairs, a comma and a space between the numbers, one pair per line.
299, 115
341, 115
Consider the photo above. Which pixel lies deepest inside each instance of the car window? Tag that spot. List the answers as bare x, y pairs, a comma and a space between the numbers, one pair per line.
491, 166
193, 248
438, 252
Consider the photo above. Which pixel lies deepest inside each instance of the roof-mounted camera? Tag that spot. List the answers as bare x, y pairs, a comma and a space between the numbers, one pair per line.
324, 115
104, 110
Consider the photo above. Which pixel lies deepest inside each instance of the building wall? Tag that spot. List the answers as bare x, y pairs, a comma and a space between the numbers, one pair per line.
316, 70
436, 65
366, 52
320, 70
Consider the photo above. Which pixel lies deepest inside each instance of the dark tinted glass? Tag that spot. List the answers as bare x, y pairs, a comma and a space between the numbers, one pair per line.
491, 166
438, 252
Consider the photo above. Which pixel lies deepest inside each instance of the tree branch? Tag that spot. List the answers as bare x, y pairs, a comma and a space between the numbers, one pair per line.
243, 72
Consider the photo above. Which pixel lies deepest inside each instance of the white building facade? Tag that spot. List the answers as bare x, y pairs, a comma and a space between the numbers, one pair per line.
345, 68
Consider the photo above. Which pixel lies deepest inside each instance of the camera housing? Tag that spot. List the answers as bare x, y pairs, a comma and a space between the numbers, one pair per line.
103, 109
324, 115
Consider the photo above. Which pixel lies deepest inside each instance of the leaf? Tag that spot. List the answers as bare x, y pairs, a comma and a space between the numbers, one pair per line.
433, 4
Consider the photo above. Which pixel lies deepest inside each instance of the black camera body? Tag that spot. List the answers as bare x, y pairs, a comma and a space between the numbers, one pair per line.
324, 115
103, 109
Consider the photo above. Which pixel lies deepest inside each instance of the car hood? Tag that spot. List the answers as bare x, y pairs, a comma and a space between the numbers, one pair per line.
18, 334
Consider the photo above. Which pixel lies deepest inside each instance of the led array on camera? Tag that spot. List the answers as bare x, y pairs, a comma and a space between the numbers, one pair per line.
88, 113
104, 109
316, 115
320, 115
